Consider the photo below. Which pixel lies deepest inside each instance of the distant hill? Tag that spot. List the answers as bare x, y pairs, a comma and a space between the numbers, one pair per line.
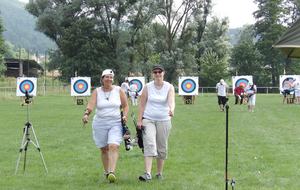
20, 28
234, 35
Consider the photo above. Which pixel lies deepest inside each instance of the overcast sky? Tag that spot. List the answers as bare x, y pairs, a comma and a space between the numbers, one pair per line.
239, 12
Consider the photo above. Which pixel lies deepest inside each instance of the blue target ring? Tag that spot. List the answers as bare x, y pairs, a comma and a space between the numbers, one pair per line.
26, 85
188, 85
242, 81
80, 86
138, 83
288, 82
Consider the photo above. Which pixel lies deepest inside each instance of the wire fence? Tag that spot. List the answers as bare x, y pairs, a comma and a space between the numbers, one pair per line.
66, 90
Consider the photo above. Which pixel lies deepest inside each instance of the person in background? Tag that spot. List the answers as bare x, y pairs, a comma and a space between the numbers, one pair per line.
125, 87
133, 94
107, 127
157, 104
221, 89
297, 92
288, 88
239, 94
251, 93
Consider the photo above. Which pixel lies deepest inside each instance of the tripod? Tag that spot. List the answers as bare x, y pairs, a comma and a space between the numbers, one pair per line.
26, 139
232, 182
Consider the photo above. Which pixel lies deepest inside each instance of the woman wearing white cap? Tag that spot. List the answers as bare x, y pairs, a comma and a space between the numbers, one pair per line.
221, 89
107, 128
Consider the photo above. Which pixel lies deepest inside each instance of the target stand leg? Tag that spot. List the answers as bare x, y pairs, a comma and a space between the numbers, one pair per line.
24, 146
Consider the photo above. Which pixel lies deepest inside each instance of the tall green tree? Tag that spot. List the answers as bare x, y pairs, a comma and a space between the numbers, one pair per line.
87, 33
2, 50
246, 59
214, 62
179, 23
272, 17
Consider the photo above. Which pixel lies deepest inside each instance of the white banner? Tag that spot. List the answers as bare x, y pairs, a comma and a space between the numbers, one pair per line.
26, 84
139, 82
80, 86
241, 81
288, 81
188, 86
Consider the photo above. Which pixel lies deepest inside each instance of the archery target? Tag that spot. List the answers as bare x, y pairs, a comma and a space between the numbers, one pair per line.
241, 80
288, 81
26, 84
80, 86
188, 86
139, 82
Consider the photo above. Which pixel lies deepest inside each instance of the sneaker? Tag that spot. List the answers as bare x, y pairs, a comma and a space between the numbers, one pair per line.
111, 177
159, 176
105, 174
145, 177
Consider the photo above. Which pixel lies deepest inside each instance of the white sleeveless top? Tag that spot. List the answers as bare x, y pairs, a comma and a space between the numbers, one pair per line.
157, 108
108, 104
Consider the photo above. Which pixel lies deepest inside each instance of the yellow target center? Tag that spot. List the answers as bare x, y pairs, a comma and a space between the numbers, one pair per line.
26, 86
80, 86
188, 85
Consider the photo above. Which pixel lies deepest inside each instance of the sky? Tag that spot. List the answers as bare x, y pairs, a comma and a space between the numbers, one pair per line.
239, 12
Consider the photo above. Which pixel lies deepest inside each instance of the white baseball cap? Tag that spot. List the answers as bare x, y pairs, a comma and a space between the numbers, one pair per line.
222, 81
107, 72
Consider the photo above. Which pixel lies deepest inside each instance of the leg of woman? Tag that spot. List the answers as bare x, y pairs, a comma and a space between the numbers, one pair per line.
113, 155
148, 164
163, 132
104, 158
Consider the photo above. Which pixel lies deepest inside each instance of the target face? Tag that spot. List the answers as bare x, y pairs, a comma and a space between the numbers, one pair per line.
26, 84
287, 81
80, 86
241, 81
139, 82
188, 86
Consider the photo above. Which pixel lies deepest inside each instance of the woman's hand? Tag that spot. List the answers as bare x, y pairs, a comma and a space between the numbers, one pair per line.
124, 118
139, 124
85, 119
171, 113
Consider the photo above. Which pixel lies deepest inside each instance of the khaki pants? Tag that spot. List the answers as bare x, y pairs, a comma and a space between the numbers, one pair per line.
155, 137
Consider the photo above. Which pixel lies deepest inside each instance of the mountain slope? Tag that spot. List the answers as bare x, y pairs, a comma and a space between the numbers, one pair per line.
20, 27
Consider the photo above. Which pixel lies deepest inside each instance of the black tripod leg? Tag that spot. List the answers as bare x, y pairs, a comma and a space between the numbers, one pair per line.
226, 150
25, 156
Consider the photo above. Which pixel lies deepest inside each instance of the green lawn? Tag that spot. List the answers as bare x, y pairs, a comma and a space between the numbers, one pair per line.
263, 147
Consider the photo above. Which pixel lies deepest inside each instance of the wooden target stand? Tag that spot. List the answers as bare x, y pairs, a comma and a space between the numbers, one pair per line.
80, 100
189, 99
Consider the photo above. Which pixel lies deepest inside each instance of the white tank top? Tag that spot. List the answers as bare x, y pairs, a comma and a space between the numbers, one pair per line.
157, 107
108, 104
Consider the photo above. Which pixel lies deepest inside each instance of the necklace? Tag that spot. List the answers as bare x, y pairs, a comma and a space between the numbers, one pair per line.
106, 94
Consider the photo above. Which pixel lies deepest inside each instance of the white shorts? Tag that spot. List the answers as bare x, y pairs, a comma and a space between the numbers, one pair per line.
107, 132
251, 100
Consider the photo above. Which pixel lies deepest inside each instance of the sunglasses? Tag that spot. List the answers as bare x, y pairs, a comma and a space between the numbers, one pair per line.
157, 72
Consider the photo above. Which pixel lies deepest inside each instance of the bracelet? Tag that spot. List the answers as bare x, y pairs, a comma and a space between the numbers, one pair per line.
87, 112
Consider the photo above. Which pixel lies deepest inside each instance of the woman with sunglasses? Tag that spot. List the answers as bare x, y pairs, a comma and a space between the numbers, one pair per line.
107, 129
157, 104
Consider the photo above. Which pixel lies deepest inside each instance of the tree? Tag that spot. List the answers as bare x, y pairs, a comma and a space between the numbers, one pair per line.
179, 23
214, 61
246, 59
87, 33
272, 17
2, 50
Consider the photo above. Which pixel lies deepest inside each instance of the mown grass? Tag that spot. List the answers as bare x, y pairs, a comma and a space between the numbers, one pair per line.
263, 147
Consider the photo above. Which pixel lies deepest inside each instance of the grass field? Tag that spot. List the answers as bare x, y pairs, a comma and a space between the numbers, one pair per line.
263, 147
